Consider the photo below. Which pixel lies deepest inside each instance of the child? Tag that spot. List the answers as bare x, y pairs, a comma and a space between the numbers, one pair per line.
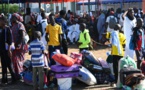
118, 41
36, 49
84, 39
138, 40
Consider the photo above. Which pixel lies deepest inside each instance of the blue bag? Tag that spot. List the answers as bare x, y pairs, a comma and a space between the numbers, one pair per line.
131, 43
27, 77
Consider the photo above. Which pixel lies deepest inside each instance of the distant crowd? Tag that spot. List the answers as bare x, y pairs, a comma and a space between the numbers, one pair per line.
32, 33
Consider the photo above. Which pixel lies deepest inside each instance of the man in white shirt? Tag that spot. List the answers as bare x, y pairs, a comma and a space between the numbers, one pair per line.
108, 21
39, 17
44, 24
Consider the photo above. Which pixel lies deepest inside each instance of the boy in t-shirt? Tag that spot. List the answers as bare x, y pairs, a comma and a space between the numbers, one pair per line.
118, 42
36, 49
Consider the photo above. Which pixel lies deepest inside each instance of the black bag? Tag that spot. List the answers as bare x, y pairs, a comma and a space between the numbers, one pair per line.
92, 67
101, 78
134, 79
127, 71
90, 44
39, 27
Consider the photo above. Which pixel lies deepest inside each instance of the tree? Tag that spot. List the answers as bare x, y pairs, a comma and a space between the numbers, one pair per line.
12, 8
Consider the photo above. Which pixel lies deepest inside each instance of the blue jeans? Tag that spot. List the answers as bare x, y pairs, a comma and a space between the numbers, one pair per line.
51, 49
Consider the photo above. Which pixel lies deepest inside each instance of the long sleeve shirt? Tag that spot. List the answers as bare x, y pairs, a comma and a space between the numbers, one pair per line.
84, 39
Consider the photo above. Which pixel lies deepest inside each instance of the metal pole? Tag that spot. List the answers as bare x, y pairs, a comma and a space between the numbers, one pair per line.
83, 7
96, 6
8, 5
51, 8
39, 5
2, 7
75, 6
63, 5
89, 6
19, 5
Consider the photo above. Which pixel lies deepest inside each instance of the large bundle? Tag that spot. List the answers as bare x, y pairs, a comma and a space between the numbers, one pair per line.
98, 67
126, 66
86, 76
63, 59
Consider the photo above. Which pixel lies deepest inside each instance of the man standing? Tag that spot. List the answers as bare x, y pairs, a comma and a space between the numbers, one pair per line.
100, 25
111, 21
55, 32
63, 23
129, 24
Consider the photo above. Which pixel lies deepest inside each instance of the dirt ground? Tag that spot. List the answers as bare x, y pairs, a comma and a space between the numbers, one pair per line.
100, 51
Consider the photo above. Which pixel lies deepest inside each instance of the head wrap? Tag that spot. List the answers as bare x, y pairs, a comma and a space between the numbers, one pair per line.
111, 12
18, 17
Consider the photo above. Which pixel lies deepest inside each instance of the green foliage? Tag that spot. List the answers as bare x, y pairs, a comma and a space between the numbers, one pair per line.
12, 8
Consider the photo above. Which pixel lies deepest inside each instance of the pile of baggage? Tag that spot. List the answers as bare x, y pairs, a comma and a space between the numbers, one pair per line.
82, 66
129, 77
90, 70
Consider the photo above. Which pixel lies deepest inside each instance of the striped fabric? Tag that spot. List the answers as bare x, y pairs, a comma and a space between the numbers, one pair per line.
36, 47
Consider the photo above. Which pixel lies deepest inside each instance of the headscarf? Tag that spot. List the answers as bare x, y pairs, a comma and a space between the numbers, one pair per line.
111, 12
20, 18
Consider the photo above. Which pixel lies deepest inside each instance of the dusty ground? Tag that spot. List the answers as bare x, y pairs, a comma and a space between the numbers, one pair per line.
100, 51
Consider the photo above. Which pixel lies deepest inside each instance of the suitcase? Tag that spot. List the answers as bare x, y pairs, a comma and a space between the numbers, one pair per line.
143, 67
127, 71
92, 67
65, 72
104, 65
86, 76
92, 58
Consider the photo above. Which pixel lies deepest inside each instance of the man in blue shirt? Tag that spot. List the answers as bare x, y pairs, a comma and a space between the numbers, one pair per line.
63, 24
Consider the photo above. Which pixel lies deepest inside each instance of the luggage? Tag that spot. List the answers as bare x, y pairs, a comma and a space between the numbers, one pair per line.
65, 72
64, 83
86, 76
92, 67
140, 86
27, 77
77, 57
90, 57
27, 65
143, 67
104, 65
63, 59
101, 78
134, 79
126, 61
127, 71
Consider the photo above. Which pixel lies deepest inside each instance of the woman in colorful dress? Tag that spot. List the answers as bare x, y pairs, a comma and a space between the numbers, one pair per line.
18, 31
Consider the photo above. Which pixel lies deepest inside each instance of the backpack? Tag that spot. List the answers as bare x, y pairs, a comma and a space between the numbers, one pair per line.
90, 44
39, 27
112, 22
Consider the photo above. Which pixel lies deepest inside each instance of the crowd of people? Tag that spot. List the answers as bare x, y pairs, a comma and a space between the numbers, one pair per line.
57, 31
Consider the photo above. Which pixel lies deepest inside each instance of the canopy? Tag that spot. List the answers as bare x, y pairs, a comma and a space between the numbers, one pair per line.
36, 1
93, 2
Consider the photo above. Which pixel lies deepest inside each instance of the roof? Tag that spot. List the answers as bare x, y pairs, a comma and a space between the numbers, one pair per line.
93, 2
